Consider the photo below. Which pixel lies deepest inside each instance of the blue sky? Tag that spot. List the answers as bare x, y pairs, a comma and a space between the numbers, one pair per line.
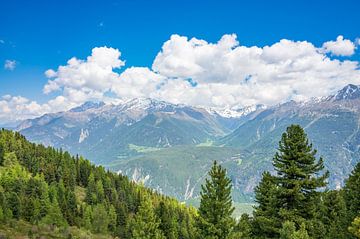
42, 35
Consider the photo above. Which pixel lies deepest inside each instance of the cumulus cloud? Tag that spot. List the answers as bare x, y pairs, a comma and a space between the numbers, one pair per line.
196, 72
340, 47
228, 73
10, 65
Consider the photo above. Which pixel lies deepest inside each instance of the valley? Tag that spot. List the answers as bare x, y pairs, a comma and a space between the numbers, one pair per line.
170, 147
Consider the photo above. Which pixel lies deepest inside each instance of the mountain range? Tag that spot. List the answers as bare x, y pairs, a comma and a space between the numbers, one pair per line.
170, 147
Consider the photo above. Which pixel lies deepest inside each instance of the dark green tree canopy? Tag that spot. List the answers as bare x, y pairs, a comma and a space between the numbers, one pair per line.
216, 204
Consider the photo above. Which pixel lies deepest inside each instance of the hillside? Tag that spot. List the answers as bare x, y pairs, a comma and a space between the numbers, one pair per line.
65, 196
103, 132
332, 125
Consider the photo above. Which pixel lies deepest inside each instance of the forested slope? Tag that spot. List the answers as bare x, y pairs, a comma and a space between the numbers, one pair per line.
65, 196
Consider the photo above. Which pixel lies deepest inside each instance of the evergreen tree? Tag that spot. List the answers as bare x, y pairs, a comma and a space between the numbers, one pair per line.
295, 194
87, 217
14, 204
352, 194
297, 181
54, 215
355, 227
243, 230
288, 231
145, 224
100, 220
216, 205
91, 195
333, 214
168, 222
266, 221
112, 218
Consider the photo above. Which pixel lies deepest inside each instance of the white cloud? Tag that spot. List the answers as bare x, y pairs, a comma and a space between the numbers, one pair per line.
195, 72
340, 47
228, 73
82, 80
10, 65
138, 82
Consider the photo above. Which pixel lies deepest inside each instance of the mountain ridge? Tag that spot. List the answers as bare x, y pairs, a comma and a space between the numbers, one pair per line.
145, 138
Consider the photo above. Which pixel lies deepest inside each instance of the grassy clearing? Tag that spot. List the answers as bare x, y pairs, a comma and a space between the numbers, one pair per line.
207, 143
142, 149
23, 230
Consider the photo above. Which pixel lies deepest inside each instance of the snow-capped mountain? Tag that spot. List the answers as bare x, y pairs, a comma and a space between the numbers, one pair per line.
170, 147
236, 112
349, 92
105, 132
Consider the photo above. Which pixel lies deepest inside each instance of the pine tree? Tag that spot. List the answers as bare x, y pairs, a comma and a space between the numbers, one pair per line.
100, 220
297, 181
168, 223
54, 215
288, 231
216, 205
243, 230
91, 196
352, 194
293, 194
14, 204
145, 224
355, 227
112, 218
333, 214
87, 217
266, 219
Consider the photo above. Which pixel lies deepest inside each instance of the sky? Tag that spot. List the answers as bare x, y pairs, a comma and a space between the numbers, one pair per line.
55, 55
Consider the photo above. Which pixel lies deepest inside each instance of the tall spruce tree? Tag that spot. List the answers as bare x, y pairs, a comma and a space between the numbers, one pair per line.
333, 215
297, 181
216, 205
295, 195
266, 222
352, 194
145, 224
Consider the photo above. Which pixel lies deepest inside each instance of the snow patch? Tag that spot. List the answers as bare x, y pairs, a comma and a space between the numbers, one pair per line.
189, 191
83, 135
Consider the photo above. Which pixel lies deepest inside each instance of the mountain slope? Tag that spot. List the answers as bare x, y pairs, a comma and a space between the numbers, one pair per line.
104, 132
163, 143
332, 124
49, 190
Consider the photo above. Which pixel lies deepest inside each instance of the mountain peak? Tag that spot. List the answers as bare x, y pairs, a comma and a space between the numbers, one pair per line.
237, 112
349, 92
88, 105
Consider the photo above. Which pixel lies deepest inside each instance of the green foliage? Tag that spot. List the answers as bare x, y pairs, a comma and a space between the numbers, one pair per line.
243, 229
145, 224
100, 221
333, 214
352, 193
216, 208
52, 189
288, 231
68, 197
292, 194
355, 227
54, 216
